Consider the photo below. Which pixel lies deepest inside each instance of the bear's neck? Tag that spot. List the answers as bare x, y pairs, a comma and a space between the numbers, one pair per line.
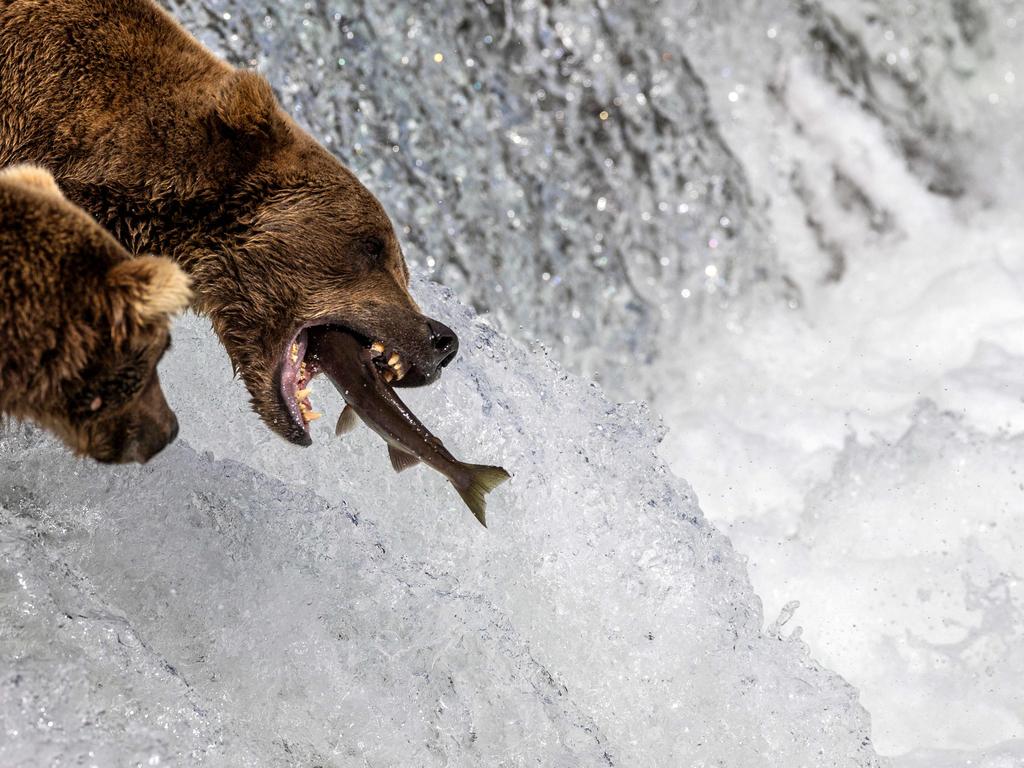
166, 221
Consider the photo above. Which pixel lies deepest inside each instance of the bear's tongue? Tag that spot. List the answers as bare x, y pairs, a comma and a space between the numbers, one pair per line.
297, 373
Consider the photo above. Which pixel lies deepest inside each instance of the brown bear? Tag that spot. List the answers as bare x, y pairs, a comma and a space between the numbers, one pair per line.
82, 325
176, 152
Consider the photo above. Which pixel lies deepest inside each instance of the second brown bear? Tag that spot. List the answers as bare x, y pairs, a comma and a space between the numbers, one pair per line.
82, 325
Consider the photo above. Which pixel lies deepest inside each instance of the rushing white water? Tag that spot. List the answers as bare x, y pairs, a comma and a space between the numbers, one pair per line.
863, 448
600, 175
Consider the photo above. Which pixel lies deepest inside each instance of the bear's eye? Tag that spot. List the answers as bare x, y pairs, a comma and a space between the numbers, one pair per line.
96, 404
374, 248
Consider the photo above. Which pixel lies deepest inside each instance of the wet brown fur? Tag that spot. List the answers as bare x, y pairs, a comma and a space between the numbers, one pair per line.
82, 324
176, 152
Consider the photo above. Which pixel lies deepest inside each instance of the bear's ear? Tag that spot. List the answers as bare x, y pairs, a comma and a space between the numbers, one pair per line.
143, 290
32, 177
245, 106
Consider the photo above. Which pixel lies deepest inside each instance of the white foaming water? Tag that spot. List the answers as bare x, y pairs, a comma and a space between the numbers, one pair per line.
864, 450
242, 602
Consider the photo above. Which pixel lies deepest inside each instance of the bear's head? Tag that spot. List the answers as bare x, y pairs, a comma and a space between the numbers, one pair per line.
87, 327
114, 409
311, 247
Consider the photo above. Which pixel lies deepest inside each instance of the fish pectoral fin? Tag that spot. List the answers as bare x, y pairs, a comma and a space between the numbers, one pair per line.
401, 460
482, 480
347, 421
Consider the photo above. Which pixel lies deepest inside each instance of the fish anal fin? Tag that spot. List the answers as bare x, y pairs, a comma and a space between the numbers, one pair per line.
347, 421
401, 460
482, 480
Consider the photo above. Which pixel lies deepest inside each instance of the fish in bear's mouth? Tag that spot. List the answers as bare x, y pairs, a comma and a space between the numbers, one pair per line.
366, 371
298, 368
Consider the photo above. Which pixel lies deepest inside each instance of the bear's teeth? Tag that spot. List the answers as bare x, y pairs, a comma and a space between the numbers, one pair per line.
394, 359
388, 376
311, 416
295, 352
399, 371
377, 347
302, 394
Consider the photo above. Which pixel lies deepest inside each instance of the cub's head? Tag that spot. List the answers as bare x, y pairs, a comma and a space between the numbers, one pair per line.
314, 249
114, 410
89, 326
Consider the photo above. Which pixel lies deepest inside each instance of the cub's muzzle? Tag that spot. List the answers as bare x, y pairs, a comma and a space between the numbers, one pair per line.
141, 433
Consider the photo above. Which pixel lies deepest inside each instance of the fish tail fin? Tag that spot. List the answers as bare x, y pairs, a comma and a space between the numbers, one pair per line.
482, 480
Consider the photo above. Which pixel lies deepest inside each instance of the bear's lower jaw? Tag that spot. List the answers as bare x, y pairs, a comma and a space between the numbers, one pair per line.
296, 375
298, 368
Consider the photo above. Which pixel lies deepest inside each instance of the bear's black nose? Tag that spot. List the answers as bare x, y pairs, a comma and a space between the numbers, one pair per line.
444, 343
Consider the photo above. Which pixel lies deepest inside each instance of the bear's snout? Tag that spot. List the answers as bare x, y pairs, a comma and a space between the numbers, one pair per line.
152, 439
142, 432
444, 342
426, 346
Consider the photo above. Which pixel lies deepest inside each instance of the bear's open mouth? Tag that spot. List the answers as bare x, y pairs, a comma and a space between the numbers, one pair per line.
298, 369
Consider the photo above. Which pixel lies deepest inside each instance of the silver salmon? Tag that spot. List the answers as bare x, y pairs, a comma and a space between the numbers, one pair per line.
355, 371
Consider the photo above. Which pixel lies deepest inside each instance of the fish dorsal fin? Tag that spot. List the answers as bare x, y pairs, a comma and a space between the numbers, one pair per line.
401, 460
347, 421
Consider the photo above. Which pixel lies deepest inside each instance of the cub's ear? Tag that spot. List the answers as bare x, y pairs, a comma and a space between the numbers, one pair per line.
32, 177
245, 106
144, 290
